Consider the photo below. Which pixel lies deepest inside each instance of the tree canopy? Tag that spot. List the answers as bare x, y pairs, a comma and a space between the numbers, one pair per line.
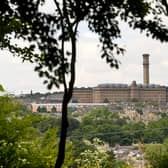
44, 30
25, 139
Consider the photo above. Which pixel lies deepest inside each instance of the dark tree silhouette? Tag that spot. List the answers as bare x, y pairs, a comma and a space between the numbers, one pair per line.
48, 35
53, 109
39, 109
42, 109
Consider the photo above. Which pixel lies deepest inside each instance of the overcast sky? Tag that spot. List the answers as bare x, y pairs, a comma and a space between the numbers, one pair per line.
18, 77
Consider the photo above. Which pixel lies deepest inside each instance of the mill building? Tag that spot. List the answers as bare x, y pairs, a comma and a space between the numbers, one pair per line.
110, 92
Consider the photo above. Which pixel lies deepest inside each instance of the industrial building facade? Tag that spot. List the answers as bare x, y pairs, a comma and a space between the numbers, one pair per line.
107, 93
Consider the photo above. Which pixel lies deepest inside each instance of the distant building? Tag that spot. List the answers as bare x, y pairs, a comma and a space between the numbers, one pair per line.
83, 95
104, 93
48, 107
56, 97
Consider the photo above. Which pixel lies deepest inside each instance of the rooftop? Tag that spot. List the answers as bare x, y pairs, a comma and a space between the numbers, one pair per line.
121, 85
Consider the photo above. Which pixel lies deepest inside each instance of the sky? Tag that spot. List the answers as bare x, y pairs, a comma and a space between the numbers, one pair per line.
91, 70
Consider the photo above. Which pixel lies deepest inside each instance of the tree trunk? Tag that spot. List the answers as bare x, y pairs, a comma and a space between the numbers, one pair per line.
64, 126
67, 97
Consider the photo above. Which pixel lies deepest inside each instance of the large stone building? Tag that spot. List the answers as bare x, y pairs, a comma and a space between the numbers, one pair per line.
104, 93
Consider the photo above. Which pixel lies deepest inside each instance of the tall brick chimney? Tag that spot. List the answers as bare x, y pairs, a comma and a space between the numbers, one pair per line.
146, 68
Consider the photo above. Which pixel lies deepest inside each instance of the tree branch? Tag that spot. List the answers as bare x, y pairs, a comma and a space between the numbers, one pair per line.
62, 44
164, 2
73, 45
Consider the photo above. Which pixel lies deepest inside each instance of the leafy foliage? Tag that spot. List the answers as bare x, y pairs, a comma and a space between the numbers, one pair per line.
110, 128
97, 157
1, 88
22, 143
157, 155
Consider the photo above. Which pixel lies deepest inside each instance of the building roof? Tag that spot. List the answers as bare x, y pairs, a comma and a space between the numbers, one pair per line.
121, 85
113, 85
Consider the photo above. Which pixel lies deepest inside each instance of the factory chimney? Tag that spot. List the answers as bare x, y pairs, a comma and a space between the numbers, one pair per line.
146, 68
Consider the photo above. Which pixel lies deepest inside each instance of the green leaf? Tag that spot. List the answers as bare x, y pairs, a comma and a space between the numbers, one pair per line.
1, 88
